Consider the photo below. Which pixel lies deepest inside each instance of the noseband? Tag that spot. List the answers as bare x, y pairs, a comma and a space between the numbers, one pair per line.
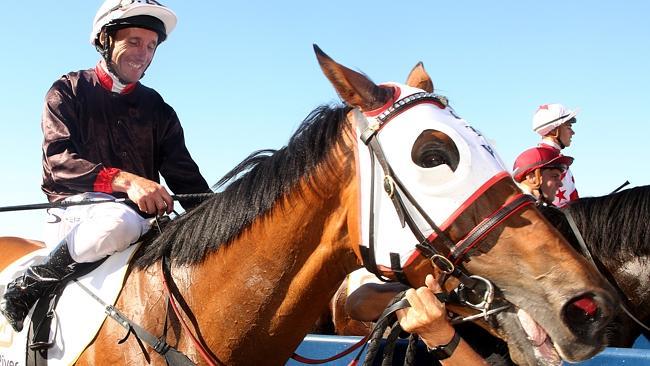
448, 256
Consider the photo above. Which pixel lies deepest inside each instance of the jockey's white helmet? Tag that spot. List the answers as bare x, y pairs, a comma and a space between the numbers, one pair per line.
121, 13
550, 116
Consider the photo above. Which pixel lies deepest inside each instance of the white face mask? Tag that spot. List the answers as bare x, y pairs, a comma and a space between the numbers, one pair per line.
441, 191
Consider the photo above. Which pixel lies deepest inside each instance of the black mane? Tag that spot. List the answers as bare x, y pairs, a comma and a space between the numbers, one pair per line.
614, 226
254, 186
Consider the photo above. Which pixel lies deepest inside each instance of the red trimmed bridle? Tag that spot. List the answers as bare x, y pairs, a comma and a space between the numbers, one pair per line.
446, 256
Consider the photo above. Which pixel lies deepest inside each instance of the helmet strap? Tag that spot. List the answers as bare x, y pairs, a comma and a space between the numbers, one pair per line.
538, 179
555, 135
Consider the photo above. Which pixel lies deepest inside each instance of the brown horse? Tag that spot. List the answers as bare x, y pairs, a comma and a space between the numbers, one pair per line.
257, 264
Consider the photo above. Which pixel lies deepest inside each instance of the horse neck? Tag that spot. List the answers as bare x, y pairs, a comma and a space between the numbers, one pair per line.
268, 286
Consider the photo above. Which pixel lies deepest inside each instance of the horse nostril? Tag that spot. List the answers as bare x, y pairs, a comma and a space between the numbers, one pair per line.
584, 315
587, 305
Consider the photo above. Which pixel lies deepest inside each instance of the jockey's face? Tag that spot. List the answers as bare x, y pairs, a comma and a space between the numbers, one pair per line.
133, 51
551, 182
565, 133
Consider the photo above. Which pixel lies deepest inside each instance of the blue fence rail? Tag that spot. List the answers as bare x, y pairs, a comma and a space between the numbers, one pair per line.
324, 346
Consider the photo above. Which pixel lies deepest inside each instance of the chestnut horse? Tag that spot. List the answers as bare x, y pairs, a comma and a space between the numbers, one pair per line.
256, 265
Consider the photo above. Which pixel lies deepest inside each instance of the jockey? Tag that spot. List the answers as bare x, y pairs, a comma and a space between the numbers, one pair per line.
107, 136
539, 171
554, 123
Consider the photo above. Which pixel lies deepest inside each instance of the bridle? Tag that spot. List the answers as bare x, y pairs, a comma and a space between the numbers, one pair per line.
447, 256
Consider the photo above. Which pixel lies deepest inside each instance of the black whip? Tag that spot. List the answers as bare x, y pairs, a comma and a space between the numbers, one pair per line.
621, 186
64, 204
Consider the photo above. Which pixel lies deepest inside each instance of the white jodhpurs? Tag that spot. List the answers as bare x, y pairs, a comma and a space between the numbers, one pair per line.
94, 231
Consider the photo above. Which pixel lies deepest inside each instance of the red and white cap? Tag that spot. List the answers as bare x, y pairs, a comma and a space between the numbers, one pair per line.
549, 116
539, 157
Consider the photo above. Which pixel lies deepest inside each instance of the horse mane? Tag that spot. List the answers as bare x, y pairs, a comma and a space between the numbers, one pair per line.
615, 226
254, 186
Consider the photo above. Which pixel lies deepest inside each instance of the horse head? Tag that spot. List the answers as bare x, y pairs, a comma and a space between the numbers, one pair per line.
436, 197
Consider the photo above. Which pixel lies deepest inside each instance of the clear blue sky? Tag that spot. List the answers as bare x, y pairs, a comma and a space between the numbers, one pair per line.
242, 75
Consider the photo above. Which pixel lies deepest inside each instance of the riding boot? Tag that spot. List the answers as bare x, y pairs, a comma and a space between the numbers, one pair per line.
38, 280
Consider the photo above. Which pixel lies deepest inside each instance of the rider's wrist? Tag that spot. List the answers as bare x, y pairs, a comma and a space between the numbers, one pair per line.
446, 350
440, 336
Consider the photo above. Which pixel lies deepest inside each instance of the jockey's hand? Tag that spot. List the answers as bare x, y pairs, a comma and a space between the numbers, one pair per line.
151, 197
426, 316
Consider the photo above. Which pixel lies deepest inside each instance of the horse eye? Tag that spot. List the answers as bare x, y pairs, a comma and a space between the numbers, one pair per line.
431, 157
433, 148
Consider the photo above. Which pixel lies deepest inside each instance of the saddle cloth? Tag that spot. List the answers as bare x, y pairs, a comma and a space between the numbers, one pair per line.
79, 316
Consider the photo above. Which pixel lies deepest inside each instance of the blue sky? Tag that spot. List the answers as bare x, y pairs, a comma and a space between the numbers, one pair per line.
242, 75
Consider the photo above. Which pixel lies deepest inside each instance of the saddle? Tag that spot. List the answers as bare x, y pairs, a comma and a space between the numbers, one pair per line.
65, 321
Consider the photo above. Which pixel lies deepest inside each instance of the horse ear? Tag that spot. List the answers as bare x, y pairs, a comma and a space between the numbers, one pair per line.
419, 78
354, 88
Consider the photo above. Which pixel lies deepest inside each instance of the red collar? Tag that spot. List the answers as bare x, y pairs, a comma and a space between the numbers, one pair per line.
110, 82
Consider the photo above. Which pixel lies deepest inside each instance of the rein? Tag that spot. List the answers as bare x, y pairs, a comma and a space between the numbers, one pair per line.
205, 353
167, 278
313, 361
